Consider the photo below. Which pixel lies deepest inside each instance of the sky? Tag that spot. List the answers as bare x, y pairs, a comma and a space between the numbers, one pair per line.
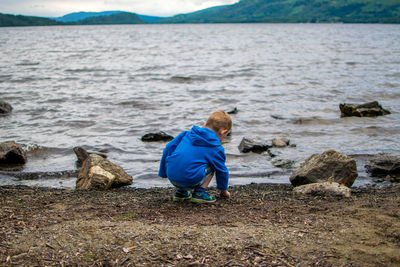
58, 8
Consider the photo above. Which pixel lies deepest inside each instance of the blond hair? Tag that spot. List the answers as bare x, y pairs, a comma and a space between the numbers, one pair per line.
219, 120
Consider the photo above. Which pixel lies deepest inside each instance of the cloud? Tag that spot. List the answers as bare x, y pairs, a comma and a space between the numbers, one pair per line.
148, 7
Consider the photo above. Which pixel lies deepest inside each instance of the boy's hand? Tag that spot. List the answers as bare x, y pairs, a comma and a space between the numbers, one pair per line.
225, 193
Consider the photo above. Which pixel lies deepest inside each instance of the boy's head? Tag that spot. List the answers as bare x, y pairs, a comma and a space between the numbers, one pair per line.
220, 122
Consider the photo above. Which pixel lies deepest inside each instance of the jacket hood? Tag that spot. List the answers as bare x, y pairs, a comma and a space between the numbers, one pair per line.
201, 136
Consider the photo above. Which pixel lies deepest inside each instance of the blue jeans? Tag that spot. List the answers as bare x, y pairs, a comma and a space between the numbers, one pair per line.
208, 171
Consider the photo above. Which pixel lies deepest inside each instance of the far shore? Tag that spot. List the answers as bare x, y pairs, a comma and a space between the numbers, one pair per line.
260, 225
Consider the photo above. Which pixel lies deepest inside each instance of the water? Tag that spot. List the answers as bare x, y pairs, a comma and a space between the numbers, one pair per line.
103, 87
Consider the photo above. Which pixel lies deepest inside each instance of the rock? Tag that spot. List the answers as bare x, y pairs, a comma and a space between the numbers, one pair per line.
100, 173
321, 167
247, 145
283, 163
154, 137
5, 108
11, 153
323, 189
384, 165
280, 142
278, 117
233, 111
371, 109
82, 154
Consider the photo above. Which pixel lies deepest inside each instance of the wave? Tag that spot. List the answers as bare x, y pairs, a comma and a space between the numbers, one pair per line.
27, 63
205, 78
5, 78
314, 121
85, 70
29, 79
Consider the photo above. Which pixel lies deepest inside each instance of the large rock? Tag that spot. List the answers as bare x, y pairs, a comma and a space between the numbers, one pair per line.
100, 173
383, 165
247, 145
11, 153
5, 108
155, 137
371, 109
321, 167
324, 189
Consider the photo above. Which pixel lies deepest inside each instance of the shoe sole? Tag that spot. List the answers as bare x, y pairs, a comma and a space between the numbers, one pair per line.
178, 199
201, 201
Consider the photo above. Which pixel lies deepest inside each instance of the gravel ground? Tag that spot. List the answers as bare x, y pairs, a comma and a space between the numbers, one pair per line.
260, 225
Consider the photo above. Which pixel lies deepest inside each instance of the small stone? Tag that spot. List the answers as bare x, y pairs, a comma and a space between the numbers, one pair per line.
5, 108
247, 145
280, 142
233, 111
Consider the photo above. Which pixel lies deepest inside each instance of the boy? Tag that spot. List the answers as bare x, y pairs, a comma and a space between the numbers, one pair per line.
191, 159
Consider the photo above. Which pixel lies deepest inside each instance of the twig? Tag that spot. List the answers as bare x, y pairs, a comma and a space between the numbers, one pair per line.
48, 259
287, 263
5, 246
152, 254
125, 260
50, 246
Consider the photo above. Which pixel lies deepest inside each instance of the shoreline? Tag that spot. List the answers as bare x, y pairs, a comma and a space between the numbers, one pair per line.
262, 224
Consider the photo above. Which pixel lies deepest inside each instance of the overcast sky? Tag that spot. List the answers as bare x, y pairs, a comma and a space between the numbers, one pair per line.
57, 8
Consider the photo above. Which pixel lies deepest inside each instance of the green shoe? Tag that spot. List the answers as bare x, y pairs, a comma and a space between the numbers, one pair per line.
181, 195
202, 197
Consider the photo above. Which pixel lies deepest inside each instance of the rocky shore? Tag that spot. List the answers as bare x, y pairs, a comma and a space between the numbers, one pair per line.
261, 225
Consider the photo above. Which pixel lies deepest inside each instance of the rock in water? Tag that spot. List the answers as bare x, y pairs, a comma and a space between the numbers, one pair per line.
100, 173
233, 111
81, 154
5, 108
321, 167
371, 109
280, 142
324, 189
154, 137
383, 165
11, 153
247, 145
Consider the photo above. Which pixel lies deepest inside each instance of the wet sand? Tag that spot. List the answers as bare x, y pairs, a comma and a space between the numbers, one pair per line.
262, 224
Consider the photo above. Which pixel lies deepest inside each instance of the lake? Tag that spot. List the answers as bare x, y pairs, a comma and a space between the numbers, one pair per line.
103, 87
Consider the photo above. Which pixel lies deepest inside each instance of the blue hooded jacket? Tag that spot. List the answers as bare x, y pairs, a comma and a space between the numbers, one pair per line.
186, 157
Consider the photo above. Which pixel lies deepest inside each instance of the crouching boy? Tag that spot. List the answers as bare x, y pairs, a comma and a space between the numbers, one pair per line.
192, 158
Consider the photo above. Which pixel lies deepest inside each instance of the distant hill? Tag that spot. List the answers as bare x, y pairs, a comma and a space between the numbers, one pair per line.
118, 18
12, 20
348, 11
150, 18
77, 16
